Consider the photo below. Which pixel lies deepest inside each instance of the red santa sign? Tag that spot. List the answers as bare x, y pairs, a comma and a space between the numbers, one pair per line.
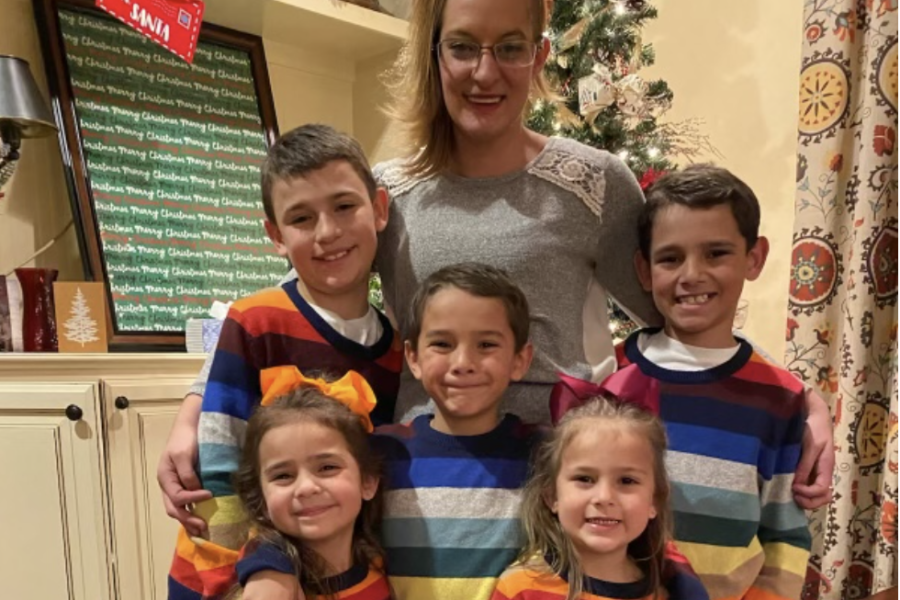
174, 24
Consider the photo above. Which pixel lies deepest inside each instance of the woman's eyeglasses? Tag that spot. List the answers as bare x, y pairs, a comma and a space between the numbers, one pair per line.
459, 54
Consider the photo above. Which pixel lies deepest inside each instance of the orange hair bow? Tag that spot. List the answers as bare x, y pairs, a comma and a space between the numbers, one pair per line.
352, 390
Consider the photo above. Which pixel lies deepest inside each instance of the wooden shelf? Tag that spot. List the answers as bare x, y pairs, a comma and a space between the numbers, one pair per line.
331, 26
50, 366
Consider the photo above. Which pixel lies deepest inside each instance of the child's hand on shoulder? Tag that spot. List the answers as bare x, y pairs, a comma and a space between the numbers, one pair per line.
272, 585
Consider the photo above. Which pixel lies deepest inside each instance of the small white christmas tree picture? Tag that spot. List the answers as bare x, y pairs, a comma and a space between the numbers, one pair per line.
80, 327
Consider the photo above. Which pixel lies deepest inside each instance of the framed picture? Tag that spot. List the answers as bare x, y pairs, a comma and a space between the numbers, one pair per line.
79, 316
162, 161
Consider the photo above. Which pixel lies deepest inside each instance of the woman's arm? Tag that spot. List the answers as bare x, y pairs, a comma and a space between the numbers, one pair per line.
812, 481
618, 241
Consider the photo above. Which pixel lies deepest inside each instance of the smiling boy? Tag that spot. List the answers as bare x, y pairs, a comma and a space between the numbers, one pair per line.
323, 213
453, 479
734, 420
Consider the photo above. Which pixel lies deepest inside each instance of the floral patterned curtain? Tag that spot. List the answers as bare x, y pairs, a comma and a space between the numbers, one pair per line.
842, 326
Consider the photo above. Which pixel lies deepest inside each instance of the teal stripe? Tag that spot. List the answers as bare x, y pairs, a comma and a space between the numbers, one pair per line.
217, 464
798, 538
714, 502
452, 533
785, 522
717, 531
448, 562
783, 516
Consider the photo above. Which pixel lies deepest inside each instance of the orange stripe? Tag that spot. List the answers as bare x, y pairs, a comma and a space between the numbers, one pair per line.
371, 578
209, 583
277, 320
268, 298
754, 593
205, 556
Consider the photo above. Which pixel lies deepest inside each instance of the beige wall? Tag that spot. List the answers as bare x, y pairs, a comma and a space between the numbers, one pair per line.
737, 65
307, 86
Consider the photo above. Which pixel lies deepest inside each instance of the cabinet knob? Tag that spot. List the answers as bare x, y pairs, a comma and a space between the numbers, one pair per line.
74, 412
121, 402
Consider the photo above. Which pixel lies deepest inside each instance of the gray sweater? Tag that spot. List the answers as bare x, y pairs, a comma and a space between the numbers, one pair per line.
564, 228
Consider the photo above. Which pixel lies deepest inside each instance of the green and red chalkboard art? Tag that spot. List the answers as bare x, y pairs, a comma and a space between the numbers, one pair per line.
173, 153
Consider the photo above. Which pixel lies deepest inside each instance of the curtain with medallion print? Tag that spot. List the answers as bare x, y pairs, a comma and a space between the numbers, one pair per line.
842, 322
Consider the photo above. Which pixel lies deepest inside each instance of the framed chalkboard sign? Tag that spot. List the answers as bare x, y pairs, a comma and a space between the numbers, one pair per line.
163, 163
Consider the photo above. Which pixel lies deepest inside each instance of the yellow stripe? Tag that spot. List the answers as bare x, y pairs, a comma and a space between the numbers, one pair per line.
787, 558
708, 559
225, 510
416, 588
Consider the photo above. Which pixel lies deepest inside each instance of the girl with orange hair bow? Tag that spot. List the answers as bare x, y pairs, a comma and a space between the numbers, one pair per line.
310, 485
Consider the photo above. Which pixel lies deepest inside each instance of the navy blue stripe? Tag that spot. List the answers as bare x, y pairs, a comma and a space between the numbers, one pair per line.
457, 473
726, 369
178, 591
334, 338
711, 442
233, 370
510, 440
702, 411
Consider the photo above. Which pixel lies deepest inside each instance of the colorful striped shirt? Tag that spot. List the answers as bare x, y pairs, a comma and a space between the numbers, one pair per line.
535, 580
735, 432
451, 522
270, 328
360, 582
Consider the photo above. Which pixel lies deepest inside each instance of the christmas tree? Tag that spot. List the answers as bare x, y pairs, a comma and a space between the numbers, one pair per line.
604, 102
597, 53
80, 327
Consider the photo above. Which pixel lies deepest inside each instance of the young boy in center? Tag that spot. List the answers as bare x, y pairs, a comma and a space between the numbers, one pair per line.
453, 479
734, 420
323, 212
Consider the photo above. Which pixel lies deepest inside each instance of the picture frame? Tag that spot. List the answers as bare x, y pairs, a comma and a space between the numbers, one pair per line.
162, 167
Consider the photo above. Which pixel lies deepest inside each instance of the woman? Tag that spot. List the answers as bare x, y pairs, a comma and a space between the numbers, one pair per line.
557, 215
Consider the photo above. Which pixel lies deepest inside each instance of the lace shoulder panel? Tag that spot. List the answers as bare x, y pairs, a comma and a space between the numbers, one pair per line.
577, 169
393, 177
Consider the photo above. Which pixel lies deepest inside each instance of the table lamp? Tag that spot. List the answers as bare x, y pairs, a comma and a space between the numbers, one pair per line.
23, 112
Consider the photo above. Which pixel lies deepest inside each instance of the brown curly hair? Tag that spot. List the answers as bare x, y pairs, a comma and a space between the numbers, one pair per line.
310, 405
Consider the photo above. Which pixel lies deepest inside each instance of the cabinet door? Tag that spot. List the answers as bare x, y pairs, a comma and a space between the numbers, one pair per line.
139, 415
52, 505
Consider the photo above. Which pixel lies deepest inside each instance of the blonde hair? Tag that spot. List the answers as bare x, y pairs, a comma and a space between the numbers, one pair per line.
545, 535
414, 84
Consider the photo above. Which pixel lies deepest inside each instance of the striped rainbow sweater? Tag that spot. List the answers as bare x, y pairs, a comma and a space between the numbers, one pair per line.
270, 328
535, 581
734, 443
358, 583
451, 523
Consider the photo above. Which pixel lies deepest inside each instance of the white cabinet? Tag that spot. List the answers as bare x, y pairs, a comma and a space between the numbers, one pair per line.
139, 415
80, 436
53, 503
